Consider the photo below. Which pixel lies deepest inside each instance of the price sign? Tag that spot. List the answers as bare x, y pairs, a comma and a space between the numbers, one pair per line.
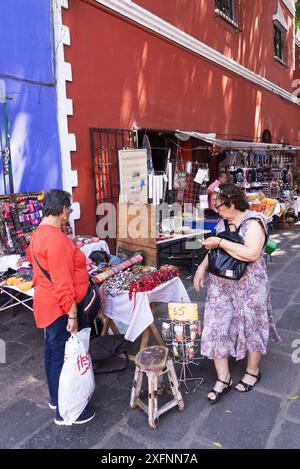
183, 311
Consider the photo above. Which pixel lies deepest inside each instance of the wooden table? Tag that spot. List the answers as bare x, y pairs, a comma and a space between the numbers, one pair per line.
108, 323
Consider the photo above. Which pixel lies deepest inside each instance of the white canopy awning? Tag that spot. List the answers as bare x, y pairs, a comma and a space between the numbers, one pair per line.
238, 145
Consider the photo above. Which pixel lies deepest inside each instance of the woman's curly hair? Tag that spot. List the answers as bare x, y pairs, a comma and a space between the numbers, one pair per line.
230, 194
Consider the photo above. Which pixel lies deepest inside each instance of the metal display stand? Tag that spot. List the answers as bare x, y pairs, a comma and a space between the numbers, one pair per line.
15, 297
183, 339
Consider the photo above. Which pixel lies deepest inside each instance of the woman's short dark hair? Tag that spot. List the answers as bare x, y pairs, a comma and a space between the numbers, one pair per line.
54, 202
221, 172
230, 194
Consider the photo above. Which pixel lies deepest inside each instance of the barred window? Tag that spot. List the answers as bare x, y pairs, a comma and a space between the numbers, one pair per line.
229, 10
226, 7
278, 43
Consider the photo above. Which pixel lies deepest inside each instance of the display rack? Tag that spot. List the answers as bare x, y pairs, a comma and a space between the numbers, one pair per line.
183, 339
20, 215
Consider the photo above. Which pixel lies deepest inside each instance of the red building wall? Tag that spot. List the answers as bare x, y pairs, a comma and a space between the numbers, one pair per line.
124, 76
252, 47
297, 59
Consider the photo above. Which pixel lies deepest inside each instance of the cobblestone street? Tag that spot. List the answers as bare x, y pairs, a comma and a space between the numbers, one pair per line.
268, 417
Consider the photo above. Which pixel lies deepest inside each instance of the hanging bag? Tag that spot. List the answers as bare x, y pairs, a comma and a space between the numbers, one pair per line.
180, 175
223, 265
88, 308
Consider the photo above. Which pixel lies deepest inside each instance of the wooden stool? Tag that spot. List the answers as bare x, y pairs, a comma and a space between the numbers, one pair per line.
154, 362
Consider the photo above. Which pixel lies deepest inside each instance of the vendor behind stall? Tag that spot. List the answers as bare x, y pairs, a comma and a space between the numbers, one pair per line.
221, 179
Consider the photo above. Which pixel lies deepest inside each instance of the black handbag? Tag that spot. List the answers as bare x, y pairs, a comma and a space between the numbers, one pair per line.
88, 308
222, 264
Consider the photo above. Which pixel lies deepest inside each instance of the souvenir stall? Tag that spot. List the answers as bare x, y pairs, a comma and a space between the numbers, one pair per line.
89, 244
168, 206
268, 180
154, 211
129, 292
16, 273
266, 171
20, 215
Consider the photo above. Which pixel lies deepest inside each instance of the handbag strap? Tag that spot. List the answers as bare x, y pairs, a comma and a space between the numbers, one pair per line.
45, 272
227, 225
261, 224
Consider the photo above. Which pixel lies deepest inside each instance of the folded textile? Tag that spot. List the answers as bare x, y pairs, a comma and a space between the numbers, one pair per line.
116, 268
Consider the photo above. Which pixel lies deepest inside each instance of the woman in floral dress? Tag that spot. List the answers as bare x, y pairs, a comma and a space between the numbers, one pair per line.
238, 318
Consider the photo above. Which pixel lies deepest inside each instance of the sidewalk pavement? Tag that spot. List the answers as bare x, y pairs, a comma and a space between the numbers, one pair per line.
267, 417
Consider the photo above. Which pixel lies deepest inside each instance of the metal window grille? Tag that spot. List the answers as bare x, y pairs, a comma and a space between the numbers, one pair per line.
105, 144
279, 44
230, 10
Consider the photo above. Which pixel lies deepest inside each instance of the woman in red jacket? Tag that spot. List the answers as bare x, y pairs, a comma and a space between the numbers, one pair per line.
55, 301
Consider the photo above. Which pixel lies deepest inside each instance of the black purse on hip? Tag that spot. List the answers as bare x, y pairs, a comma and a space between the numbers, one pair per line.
88, 309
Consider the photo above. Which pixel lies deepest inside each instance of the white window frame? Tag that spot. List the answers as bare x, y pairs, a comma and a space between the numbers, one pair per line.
280, 22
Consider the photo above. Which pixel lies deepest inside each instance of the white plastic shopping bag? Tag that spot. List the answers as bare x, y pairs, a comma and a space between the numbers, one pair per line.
76, 382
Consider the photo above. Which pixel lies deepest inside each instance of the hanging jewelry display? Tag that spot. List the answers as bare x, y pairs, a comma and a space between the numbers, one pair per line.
183, 339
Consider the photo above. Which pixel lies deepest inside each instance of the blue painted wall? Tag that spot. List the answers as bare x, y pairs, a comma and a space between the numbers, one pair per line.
27, 66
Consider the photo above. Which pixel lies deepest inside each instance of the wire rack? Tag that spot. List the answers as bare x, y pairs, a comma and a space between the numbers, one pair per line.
184, 188
183, 339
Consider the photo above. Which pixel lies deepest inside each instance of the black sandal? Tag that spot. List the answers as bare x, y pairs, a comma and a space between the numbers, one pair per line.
248, 387
219, 394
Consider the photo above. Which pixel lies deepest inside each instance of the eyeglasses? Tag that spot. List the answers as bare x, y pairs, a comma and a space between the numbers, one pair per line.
217, 207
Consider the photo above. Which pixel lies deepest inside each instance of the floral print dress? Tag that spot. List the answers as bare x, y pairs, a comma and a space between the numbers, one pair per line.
238, 313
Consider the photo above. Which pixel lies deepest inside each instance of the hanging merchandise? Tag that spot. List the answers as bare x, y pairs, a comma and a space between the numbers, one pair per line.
20, 215
14, 228
180, 179
202, 176
30, 210
166, 330
180, 174
179, 333
183, 340
146, 144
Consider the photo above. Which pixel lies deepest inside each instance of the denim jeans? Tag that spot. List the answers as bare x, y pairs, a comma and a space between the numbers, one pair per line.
56, 337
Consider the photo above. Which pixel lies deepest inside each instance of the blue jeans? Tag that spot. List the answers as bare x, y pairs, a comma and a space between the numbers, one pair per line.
56, 336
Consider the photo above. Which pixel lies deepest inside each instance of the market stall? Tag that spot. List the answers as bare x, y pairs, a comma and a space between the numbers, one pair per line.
16, 274
265, 171
136, 312
20, 215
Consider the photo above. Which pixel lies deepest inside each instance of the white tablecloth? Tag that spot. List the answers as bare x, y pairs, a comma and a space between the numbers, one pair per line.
120, 308
9, 261
87, 249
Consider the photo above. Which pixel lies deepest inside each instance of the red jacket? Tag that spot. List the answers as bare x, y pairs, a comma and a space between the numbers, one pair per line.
66, 265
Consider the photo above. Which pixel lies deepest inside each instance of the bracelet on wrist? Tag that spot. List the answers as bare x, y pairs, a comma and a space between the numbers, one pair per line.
75, 317
220, 242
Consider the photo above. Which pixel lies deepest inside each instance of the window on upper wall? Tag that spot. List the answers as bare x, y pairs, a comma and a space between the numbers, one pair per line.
229, 10
279, 43
280, 35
